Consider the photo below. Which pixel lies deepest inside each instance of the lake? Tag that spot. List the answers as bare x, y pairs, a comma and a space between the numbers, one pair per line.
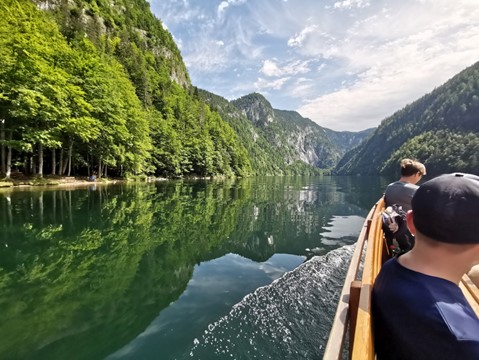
234, 269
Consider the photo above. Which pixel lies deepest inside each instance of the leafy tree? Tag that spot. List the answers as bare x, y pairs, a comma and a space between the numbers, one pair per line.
442, 151
34, 99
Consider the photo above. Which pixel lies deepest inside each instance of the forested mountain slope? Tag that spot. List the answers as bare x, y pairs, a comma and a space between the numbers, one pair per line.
100, 86
298, 138
294, 137
264, 159
280, 139
441, 129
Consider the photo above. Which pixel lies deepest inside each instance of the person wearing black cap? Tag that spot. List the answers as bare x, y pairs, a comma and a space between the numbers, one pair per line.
418, 309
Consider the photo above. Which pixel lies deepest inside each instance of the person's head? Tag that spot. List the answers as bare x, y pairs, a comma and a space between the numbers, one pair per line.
412, 170
445, 210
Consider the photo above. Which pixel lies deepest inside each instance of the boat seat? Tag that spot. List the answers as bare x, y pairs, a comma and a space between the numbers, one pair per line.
474, 275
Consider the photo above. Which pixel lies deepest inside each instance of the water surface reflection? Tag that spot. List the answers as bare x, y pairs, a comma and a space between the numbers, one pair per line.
139, 271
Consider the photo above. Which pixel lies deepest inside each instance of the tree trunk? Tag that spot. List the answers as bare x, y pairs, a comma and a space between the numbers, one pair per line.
33, 165
8, 171
2, 139
54, 161
60, 165
106, 167
28, 165
40, 160
64, 168
70, 149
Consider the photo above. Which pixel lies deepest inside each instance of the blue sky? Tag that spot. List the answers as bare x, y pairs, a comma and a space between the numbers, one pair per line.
344, 64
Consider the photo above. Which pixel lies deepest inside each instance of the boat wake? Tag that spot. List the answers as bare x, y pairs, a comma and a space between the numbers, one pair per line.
288, 319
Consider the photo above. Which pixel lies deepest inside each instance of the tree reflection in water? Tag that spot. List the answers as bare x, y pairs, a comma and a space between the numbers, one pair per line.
84, 271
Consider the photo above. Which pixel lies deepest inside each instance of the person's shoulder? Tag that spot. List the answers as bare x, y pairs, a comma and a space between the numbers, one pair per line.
411, 186
394, 183
393, 265
402, 184
390, 268
393, 186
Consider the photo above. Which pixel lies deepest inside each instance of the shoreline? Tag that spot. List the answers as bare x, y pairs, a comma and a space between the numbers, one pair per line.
49, 182
52, 183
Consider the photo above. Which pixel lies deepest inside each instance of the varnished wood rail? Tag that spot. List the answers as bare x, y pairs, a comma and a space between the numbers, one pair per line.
362, 344
349, 298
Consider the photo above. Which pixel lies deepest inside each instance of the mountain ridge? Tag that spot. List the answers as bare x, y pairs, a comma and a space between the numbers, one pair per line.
295, 138
423, 130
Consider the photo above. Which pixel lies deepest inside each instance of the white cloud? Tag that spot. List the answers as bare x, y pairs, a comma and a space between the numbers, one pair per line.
270, 68
395, 61
206, 56
349, 4
302, 88
297, 67
262, 84
298, 39
224, 4
176, 13
385, 88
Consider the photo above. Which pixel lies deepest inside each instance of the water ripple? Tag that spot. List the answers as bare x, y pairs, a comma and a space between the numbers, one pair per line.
288, 319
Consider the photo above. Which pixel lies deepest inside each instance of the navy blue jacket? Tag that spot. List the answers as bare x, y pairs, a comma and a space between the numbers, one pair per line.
417, 316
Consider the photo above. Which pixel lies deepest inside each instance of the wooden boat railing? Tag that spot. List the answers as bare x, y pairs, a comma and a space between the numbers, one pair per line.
354, 306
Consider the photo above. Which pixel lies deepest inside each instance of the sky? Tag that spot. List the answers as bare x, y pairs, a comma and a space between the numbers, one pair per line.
346, 64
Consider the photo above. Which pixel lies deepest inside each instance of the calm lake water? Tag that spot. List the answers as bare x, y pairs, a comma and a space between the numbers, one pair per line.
177, 270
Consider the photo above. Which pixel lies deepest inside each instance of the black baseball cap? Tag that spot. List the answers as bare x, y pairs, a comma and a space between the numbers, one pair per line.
446, 208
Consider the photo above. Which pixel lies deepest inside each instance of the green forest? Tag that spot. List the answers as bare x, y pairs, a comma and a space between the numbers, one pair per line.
92, 88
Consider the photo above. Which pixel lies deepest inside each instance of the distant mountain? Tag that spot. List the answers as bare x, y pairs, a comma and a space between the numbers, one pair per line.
282, 140
347, 140
297, 138
301, 138
264, 160
441, 129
